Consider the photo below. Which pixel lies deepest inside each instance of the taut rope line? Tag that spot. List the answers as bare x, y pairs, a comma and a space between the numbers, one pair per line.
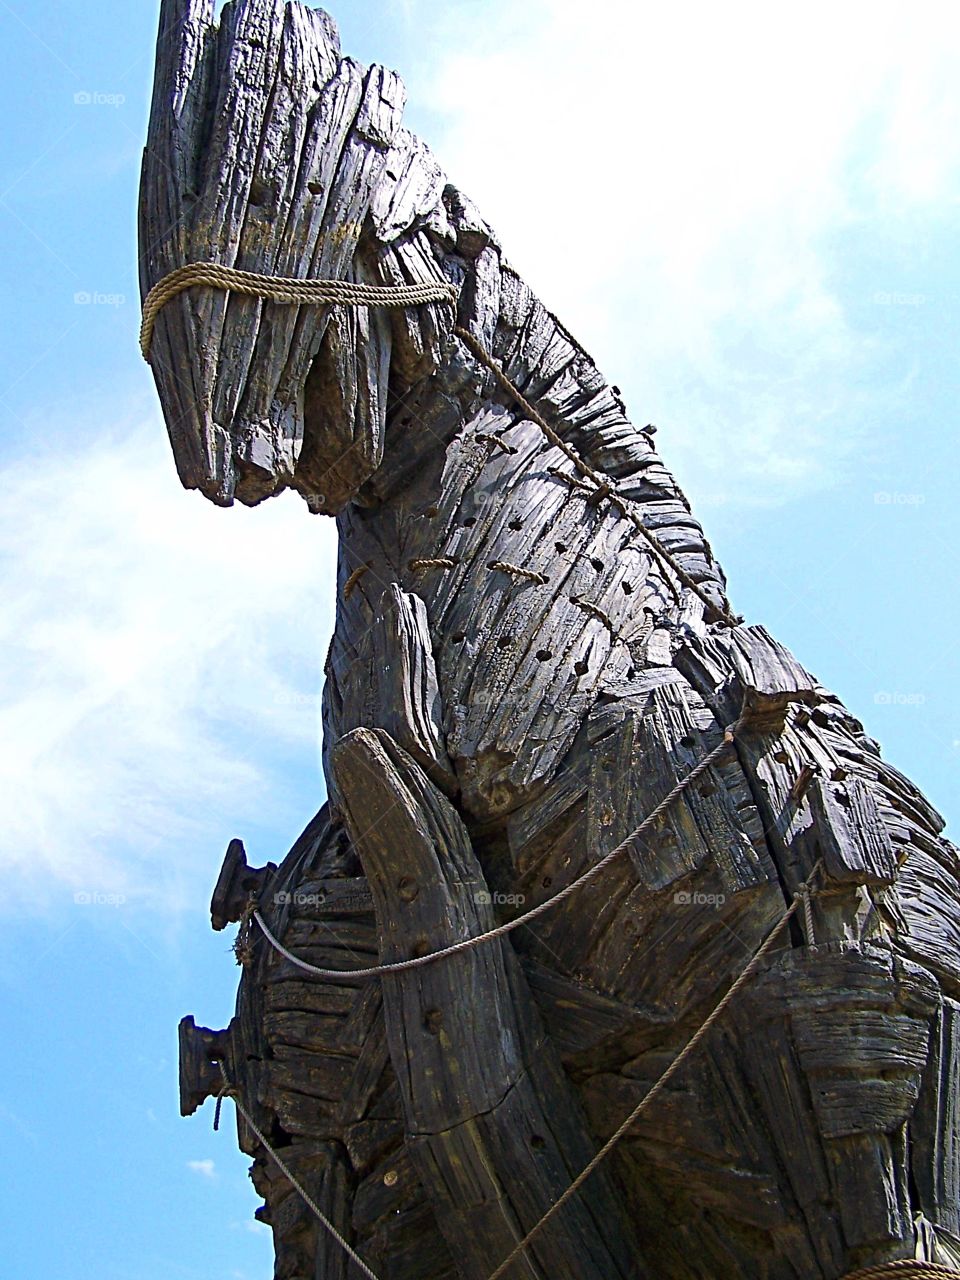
313, 292
660, 1083
910, 1271
906, 1269
467, 944
604, 488
229, 1091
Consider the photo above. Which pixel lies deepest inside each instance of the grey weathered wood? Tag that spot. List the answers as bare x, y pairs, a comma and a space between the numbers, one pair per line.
491, 1124
514, 682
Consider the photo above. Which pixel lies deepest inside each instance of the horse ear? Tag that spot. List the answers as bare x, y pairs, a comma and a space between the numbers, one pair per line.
267, 173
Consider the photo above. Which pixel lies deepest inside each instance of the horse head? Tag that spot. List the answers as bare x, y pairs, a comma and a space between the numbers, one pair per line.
272, 154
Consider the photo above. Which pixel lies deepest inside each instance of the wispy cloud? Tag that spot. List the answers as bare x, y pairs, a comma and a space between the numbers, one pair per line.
674, 179
205, 1168
162, 663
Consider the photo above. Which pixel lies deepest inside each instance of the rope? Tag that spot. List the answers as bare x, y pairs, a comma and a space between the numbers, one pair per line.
284, 289
415, 962
354, 578
597, 478
808, 929
660, 1083
593, 609
908, 1268
314, 292
437, 562
228, 1091
502, 566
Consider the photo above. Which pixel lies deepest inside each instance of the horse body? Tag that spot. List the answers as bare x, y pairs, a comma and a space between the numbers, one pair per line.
516, 679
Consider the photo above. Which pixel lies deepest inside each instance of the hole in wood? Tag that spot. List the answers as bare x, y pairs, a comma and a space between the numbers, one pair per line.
420, 948
606, 765
278, 1135
546, 882
537, 1142
581, 668
626, 588
470, 522
631, 672
315, 188
505, 642
407, 888
458, 637
430, 512
433, 1021
781, 757
687, 741
560, 546
515, 524
260, 193
544, 655
598, 565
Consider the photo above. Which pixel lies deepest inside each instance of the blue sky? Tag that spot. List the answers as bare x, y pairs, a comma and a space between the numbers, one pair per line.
749, 216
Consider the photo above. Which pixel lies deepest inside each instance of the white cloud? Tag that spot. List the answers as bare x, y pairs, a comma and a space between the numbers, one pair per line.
667, 177
162, 662
204, 1167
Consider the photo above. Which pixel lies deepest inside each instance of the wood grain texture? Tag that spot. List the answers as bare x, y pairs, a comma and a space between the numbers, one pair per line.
514, 682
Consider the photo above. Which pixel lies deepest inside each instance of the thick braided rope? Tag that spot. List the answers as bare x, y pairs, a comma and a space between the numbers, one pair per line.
229, 1091
658, 1086
313, 292
415, 962
283, 289
906, 1268
666, 560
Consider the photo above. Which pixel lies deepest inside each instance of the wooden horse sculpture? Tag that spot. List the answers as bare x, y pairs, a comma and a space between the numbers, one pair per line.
533, 648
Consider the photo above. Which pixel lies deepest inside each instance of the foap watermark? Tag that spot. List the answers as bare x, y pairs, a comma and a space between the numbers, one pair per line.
294, 698
888, 498
896, 298
486, 898
298, 899
694, 898
350, 900
97, 898
93, 298
97, 98
891, 698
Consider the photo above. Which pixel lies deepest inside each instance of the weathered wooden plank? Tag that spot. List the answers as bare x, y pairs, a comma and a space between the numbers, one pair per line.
853, 839
466, 1069
548, 680
394, 684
